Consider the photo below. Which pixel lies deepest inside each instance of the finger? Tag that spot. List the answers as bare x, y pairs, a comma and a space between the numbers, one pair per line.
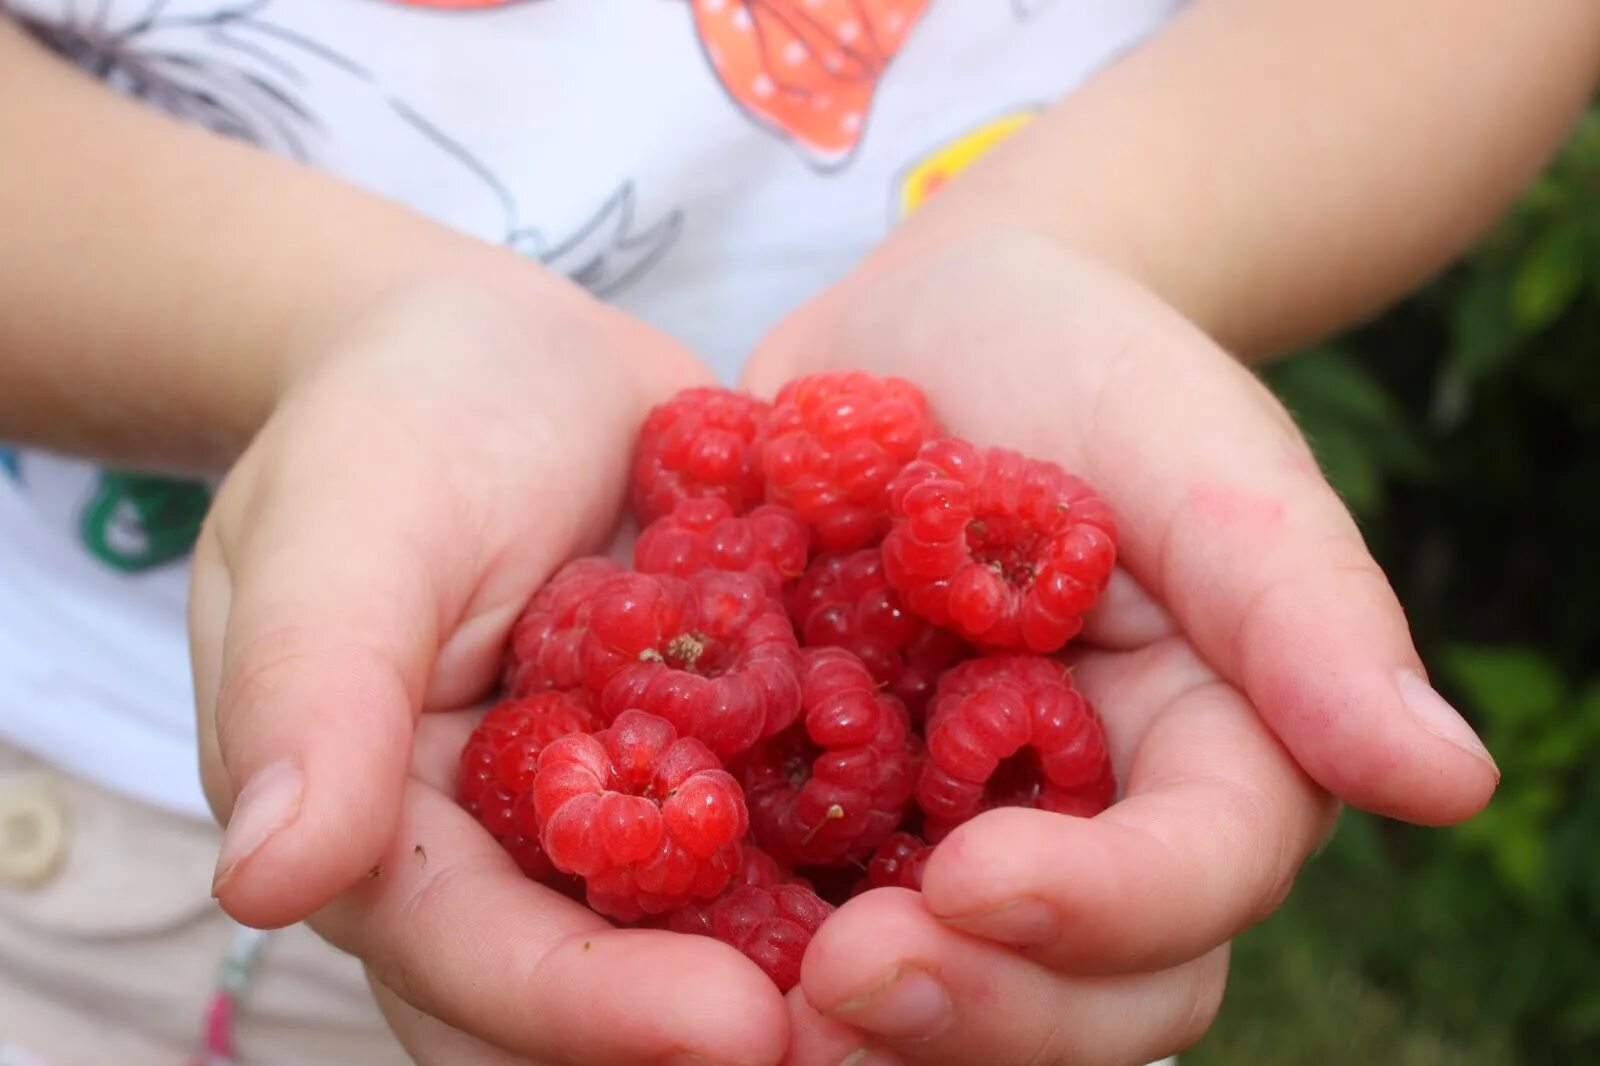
817, 1040
309, 687
930, 995
451, 926
1216, 822
429, 1041
1237, 533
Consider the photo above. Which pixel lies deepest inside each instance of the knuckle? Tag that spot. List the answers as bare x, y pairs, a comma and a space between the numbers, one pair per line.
259, 668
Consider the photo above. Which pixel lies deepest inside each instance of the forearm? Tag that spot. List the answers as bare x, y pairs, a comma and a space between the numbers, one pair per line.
1276, 169
158, 283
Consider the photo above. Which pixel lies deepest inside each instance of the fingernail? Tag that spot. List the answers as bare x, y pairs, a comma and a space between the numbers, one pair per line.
1439, 718
1022, 923
910, 1005
870, 1056
268, 802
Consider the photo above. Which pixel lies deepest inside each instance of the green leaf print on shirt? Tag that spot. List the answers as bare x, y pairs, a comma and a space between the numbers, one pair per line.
136, 522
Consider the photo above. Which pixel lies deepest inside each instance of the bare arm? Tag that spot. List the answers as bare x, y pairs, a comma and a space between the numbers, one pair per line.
1277, 168
156, 281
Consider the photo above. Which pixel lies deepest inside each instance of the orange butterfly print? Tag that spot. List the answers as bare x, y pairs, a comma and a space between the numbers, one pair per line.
806, 68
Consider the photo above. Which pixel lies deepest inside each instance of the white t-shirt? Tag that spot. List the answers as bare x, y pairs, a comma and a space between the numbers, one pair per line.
704, 164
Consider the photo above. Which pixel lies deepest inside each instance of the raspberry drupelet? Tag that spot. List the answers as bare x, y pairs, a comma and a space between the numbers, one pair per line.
499, 762
1009, 552
898, 863
648, 819
701, 443
1011, 731
769, 543
761, 870
837, 782
845, 601
712, 654
770, 925
545, 640
832, 444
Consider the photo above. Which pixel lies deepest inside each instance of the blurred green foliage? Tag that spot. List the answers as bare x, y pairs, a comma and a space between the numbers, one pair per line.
1461, 427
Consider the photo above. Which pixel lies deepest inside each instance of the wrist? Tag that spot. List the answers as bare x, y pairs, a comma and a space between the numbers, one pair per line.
413, 279
472, 314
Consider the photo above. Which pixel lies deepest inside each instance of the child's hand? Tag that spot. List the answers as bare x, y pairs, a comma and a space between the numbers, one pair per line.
365, 557
1122, 921
1238, 555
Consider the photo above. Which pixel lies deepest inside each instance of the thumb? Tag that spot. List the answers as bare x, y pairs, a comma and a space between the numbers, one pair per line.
313, 638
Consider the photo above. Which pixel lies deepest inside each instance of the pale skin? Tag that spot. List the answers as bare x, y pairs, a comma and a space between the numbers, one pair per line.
1259, 173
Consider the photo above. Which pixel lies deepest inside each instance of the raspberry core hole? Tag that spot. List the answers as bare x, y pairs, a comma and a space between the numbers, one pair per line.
1007, 546
1016, 782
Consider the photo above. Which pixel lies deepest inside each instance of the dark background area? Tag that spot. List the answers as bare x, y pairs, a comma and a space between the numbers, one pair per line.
1461, 427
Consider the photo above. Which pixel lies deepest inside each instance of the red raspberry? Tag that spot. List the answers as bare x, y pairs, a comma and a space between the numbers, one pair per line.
771, 925
769, 542
831, 446
498, 764
1007, 551
545, 640
648, 820
713, 654
837, 783
761, 870
1011, 731
898, 863
699, 443
845, 601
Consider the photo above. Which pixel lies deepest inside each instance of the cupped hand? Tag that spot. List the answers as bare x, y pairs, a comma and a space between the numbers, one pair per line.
1042, 938
1224, 517
1249, 659
426, 469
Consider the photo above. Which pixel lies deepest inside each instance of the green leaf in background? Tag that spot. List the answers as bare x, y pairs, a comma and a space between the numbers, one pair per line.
1483, 333
1360, 434
1327, 380
1548, 278
1509, 686
1570, 739
1350, 466
1514, 832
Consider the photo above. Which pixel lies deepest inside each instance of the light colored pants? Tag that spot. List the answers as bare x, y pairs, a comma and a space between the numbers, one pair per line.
109, 943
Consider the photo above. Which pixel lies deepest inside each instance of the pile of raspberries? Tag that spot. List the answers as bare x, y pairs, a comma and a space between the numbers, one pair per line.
834, 647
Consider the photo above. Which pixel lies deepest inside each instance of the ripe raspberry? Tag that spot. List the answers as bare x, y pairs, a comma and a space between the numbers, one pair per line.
700, 443
758, 869
771, 925
648, 820
1011, 731
1007, 551
545, 640
832, 444
769, 542
898, 863
845, 601
836, 783
498, 765
713, 654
